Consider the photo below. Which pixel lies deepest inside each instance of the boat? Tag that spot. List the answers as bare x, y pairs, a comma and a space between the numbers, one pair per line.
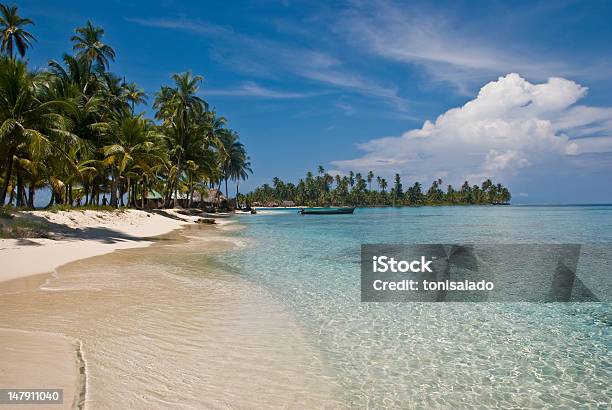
327, 211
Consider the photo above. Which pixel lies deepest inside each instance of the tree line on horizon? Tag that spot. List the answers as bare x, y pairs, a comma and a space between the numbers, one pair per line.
72, 128
353, 189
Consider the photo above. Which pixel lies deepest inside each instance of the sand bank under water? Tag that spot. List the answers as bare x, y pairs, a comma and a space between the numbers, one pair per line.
163, 326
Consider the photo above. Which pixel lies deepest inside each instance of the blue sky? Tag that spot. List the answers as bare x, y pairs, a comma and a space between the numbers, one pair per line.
349, 85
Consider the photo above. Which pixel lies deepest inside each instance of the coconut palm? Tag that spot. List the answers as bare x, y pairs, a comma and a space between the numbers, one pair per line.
235, 159
240, 172
113, 90
75, 72
383, 185
150, 163
177, 107
26, 119
134, 95
310, 191
13, 33
89, 46
131, 137
72, 129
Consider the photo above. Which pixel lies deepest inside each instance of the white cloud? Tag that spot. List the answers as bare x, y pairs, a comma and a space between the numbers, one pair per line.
347, 108
251, 89
267, 58
511, 126
449, 48
182, 23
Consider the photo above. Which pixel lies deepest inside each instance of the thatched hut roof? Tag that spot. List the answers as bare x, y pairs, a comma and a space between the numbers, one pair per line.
153, 195
213, 195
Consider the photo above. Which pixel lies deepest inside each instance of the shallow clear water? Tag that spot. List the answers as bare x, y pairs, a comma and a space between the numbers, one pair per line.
165, 327
424, 355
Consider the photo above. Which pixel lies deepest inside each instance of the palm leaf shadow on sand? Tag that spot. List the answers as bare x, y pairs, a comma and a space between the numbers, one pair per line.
99, 234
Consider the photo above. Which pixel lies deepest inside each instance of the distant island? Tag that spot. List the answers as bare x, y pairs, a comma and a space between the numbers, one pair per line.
353, 189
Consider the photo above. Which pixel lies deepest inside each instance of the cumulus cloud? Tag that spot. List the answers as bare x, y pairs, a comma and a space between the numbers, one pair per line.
510, 127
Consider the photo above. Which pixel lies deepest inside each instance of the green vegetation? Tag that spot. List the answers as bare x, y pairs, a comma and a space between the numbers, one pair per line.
22, 228
101, 208
324, 190
72, 129
5, 213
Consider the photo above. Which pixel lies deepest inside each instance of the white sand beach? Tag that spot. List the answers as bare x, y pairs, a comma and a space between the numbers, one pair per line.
51, 360
82, 234
150, 327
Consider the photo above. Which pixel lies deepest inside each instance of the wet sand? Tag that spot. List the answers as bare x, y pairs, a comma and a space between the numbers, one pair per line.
42, 360
163, 326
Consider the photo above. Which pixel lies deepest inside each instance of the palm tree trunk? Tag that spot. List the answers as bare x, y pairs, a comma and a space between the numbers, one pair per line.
8, 175
24, 196
178, 175
20, 190
237, 182
93, 200
32, 190
190, 205
12, 196
113, 195
143, 194
129, 192
168, 197
121, 186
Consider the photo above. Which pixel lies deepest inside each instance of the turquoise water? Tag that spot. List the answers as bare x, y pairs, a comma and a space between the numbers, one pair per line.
426, 355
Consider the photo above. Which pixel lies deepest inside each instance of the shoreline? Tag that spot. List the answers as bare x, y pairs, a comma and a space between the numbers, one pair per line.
82, 235
50, 351
104, 305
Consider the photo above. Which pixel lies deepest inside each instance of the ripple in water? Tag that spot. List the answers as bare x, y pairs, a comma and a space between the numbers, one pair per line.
437, 355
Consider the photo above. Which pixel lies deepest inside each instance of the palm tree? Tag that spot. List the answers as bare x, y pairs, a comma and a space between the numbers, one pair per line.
23, 115
72, 129
383, 184
370, 177
75, 72
134, 95
87, 106
235, 159
241, 172
311, 191
131, 137
112, 89
176, 107
89, 46
13, 33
